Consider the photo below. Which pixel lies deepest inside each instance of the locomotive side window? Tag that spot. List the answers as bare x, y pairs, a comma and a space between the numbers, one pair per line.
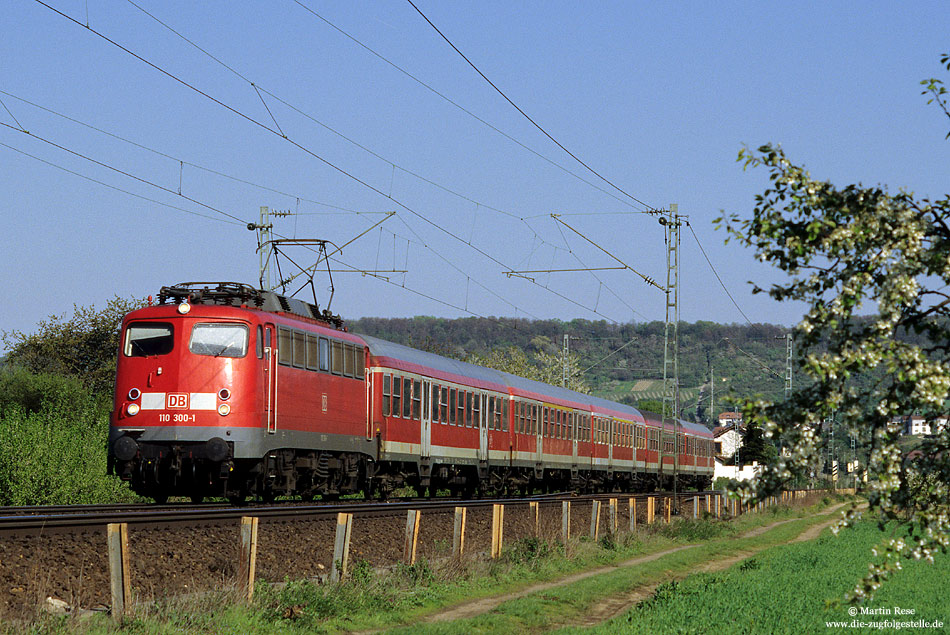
406, 397
219, 340
313, 352
300, 349
387, 394
397, 391
259, 343
336, 357
143, 339
284, 348
360, 354
325, 355
416, 398
347, 360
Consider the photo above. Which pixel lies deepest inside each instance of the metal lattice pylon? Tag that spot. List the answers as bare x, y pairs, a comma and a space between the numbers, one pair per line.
671, 223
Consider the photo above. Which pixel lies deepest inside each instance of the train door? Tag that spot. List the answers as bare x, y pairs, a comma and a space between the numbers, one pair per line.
270, 378
538, 410
574, 419
611, 425
426, 431
482, 428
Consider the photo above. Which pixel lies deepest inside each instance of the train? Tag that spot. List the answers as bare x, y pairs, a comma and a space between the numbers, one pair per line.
226, 390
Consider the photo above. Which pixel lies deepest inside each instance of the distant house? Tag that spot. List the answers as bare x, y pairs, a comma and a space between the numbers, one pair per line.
728, 439
915, 424
729, 470
730, 418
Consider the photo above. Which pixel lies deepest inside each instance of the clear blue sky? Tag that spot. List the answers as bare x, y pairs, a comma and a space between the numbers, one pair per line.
658, 97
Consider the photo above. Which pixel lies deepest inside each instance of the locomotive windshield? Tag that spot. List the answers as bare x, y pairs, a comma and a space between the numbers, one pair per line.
219, 340
148, 338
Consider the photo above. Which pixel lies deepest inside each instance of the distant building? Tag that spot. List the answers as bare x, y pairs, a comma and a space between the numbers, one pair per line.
729, 470
915, 424
730, 418
728, 439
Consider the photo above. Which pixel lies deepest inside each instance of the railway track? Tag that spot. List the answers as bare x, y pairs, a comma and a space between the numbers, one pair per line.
35, 520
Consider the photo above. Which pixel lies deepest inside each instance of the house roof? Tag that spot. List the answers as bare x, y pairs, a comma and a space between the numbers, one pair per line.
721, 430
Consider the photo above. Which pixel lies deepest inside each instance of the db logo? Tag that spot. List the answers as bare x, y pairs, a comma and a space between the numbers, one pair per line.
177, 400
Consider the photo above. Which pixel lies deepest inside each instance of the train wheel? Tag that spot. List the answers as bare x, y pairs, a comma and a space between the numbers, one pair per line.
160, 498
197, 498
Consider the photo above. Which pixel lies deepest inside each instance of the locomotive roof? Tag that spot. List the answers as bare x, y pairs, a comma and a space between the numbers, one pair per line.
413, 360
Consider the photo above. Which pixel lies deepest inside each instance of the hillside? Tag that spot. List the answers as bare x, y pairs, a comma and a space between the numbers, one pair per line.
624, 362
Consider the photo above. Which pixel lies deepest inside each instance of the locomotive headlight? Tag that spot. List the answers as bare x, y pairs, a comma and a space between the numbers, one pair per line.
184, 308
132, 409
224, 409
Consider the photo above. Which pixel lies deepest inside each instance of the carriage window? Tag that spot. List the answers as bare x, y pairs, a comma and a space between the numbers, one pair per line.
386, 394
313, 352
491, 413
143, 339
219, 340
468, 409
434, 409
504, 414
406, 397
397, 392
452, 409
443, 412
416, 398
336, 357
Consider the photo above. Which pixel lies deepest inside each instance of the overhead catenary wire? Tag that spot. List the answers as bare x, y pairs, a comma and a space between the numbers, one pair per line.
124, 173
459, 106
645, 278
716, 273
649, 208
181, 161
259, 89
119, 189
298, 145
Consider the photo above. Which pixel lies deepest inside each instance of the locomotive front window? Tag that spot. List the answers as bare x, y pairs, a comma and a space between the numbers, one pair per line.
219, 340
146, 339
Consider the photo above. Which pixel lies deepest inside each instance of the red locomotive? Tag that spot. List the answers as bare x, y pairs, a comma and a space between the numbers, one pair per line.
226, 390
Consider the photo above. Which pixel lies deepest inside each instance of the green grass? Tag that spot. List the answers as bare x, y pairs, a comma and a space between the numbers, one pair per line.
792, 589
369, 601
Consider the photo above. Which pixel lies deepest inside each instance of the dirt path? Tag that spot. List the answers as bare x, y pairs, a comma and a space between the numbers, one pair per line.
613, 606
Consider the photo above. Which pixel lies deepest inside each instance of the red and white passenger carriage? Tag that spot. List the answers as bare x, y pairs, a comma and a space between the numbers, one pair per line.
232, 391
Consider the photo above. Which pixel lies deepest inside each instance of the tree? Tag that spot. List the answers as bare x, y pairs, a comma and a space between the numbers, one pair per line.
873, 269
546, 367
83, 346
755, 447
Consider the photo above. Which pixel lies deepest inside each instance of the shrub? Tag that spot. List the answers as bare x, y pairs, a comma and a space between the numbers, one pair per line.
53, 436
